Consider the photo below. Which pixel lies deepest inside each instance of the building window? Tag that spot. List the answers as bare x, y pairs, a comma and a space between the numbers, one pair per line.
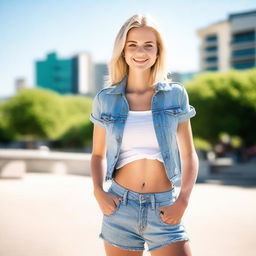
211, 59
211, 49
57, 68
245, 65
211, 38
211, 69
243, 52
243, 37
58, 79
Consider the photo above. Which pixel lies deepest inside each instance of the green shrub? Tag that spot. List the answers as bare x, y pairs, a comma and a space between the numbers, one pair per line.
225, 102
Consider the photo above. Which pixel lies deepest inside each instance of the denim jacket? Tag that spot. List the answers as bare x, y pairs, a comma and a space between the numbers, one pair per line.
169, 106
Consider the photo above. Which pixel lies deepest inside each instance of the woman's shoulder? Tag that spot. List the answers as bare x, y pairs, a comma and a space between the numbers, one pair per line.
104, 90
172, 86
104, 95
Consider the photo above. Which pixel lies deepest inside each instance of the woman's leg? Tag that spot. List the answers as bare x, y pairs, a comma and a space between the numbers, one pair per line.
180, 248
112, 250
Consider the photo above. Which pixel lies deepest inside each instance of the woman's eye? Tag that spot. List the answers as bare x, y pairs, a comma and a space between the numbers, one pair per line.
145, 46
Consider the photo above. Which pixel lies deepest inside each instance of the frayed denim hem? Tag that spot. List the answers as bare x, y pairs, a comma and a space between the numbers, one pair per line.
121, 246
169, 242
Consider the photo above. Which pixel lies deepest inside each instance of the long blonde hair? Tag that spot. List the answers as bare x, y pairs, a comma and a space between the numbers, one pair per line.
117, 66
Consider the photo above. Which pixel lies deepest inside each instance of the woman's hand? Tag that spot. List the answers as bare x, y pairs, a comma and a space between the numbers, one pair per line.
106, 201
172, 214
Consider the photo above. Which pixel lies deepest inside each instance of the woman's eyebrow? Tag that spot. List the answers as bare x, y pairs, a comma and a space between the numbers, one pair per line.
130, 41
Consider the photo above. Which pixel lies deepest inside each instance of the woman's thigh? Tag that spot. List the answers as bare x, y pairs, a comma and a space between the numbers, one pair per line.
112, 250
180, 248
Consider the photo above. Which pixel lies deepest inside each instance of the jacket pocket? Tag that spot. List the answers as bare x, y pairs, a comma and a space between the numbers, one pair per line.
173, 111
171, 115
108, 118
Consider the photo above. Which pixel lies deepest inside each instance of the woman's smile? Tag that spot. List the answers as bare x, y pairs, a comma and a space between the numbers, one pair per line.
140, 61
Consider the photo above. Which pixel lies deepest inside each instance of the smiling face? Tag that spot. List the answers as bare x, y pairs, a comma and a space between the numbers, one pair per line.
140, 48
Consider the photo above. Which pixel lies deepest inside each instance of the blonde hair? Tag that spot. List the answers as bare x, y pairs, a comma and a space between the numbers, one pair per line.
117, 66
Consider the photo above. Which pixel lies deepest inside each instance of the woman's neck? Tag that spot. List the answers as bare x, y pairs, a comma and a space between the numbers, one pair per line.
138, 82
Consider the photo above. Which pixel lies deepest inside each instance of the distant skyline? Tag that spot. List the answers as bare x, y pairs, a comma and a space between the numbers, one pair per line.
31, 29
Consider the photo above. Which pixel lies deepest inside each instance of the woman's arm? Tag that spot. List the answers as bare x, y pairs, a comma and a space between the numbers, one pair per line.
189, 158
173, 213
97, 157
106, 201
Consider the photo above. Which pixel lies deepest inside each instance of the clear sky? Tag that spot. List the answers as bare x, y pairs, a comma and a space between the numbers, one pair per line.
30, 29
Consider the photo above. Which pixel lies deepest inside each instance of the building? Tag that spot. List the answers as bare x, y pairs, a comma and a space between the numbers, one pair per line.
243, 43
229, 44
20, 83
66, 76
181, 77
101, 73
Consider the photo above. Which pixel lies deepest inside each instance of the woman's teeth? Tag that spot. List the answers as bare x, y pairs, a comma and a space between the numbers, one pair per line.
140, 61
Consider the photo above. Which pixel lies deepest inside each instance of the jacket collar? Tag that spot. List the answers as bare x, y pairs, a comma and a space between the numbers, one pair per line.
119, 88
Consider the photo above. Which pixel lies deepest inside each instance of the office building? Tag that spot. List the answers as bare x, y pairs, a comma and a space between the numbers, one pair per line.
66, 76
100, 74
229, 44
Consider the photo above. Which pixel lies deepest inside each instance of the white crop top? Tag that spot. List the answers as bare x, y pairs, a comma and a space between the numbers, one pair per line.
139, 139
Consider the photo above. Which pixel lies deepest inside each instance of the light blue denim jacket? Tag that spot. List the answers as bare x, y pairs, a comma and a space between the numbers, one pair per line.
169, 105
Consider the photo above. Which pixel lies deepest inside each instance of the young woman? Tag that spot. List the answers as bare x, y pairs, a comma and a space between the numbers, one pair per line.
137, 119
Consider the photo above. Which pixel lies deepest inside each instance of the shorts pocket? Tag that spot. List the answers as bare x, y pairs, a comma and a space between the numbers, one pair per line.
118, 205
165, 203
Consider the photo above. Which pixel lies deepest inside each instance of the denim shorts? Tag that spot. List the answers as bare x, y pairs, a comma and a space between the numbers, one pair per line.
137, 220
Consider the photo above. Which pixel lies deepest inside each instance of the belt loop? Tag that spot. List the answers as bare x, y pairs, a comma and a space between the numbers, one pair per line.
125, 197
153, 201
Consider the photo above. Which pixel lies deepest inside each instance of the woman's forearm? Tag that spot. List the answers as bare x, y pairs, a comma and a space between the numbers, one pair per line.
190, 166
97, 173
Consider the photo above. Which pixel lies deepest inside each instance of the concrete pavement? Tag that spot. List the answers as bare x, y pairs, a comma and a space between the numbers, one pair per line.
57, 215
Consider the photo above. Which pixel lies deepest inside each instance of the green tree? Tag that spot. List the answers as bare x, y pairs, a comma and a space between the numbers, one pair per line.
6, 134
225, 102
35, 114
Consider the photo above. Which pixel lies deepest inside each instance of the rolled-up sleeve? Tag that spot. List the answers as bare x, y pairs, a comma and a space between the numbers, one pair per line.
96, 111
188, 110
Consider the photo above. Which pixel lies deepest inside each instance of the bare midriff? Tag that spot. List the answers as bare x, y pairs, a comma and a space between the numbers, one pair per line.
143, 176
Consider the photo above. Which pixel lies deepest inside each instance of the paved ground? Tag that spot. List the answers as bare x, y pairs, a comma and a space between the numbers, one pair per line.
55, 215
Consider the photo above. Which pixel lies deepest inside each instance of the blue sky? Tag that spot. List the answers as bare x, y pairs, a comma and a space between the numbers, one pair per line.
31, 29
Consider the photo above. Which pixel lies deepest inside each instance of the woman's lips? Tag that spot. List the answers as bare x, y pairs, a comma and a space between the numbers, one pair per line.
140, 61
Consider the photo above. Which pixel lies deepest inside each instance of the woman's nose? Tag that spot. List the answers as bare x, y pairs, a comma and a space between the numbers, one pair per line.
140, 49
